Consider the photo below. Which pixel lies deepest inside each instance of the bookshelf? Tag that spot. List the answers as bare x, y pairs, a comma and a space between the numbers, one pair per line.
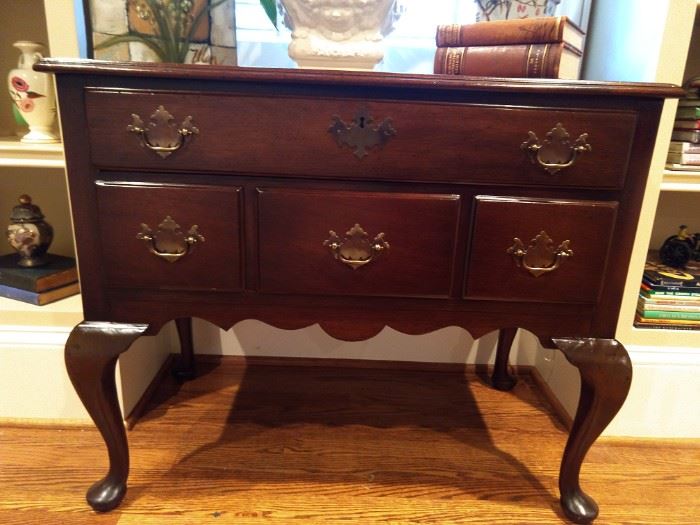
680, 180
656, 42
667, 53
677, 199
32, 337
37, 169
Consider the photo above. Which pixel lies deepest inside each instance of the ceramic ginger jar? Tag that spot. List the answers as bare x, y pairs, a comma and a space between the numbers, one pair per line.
29, 233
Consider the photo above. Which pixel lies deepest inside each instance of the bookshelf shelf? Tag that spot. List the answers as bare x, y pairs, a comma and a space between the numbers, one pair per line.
680, 180
14, 153
67, 312
665, 337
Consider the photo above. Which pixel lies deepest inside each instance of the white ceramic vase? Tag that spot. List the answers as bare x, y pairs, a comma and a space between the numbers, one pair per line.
33, 94
339, 34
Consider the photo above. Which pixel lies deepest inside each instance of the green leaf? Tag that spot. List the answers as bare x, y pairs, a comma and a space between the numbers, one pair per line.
159, 13
19, 119
270, 7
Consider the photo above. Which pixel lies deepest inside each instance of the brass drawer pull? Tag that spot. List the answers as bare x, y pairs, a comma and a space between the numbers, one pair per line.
540, 257
169, 242
360, 134
355, 249
161, 134
555, 152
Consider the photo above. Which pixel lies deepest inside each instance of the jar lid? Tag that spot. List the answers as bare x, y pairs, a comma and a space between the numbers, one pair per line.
25, 211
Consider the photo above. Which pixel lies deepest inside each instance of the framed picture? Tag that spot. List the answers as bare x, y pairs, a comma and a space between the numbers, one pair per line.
577, 10
182, 31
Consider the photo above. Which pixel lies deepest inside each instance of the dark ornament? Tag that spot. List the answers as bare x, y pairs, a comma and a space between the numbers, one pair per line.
29, 233
678, 250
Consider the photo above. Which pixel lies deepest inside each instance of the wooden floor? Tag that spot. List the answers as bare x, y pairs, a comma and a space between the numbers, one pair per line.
304, 445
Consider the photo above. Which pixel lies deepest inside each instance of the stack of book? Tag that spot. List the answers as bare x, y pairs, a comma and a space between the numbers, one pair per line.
549, 47
41, 285
669, 298
684, 152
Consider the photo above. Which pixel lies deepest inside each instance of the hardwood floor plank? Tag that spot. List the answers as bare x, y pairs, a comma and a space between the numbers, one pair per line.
317, 444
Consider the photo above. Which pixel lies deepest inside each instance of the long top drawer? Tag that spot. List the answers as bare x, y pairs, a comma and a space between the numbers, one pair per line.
354, 139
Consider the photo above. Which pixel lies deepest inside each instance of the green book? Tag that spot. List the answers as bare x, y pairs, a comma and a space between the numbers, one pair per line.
59, 271
667, 314
688, 112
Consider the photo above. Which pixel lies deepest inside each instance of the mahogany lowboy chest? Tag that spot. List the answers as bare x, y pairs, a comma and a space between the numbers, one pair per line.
355, 200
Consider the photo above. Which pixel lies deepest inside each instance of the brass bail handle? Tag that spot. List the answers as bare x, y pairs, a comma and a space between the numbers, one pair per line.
161, 135
555, 152
540, 256
168, 241
355, 249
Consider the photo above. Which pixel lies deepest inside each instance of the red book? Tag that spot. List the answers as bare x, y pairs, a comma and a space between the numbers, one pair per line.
520, 60
686, 123
505, 32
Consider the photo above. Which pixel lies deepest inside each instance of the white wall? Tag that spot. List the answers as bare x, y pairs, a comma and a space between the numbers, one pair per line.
448, 345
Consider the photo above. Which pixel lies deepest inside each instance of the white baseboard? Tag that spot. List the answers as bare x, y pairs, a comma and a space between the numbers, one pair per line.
34, 384
663, 398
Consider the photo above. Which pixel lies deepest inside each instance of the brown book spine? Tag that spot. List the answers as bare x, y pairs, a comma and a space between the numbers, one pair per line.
522, 60
58, 279
498, 32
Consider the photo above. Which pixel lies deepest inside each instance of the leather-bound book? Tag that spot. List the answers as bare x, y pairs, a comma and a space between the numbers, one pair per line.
506, 32
554, 60
686, 135
58, 271
39, 298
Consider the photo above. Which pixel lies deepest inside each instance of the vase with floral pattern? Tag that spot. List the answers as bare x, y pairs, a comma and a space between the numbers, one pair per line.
33, 94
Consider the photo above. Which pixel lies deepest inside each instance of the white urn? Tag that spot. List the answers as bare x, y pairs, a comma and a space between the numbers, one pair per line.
339, 34
33, 94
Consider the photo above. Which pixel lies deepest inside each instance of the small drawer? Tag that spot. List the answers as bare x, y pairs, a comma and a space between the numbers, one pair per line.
291, 136
300, 254
211, 260
549, 270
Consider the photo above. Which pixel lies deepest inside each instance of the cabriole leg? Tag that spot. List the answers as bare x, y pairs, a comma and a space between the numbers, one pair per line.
184, 368
501, 379
606, 375
91, 355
